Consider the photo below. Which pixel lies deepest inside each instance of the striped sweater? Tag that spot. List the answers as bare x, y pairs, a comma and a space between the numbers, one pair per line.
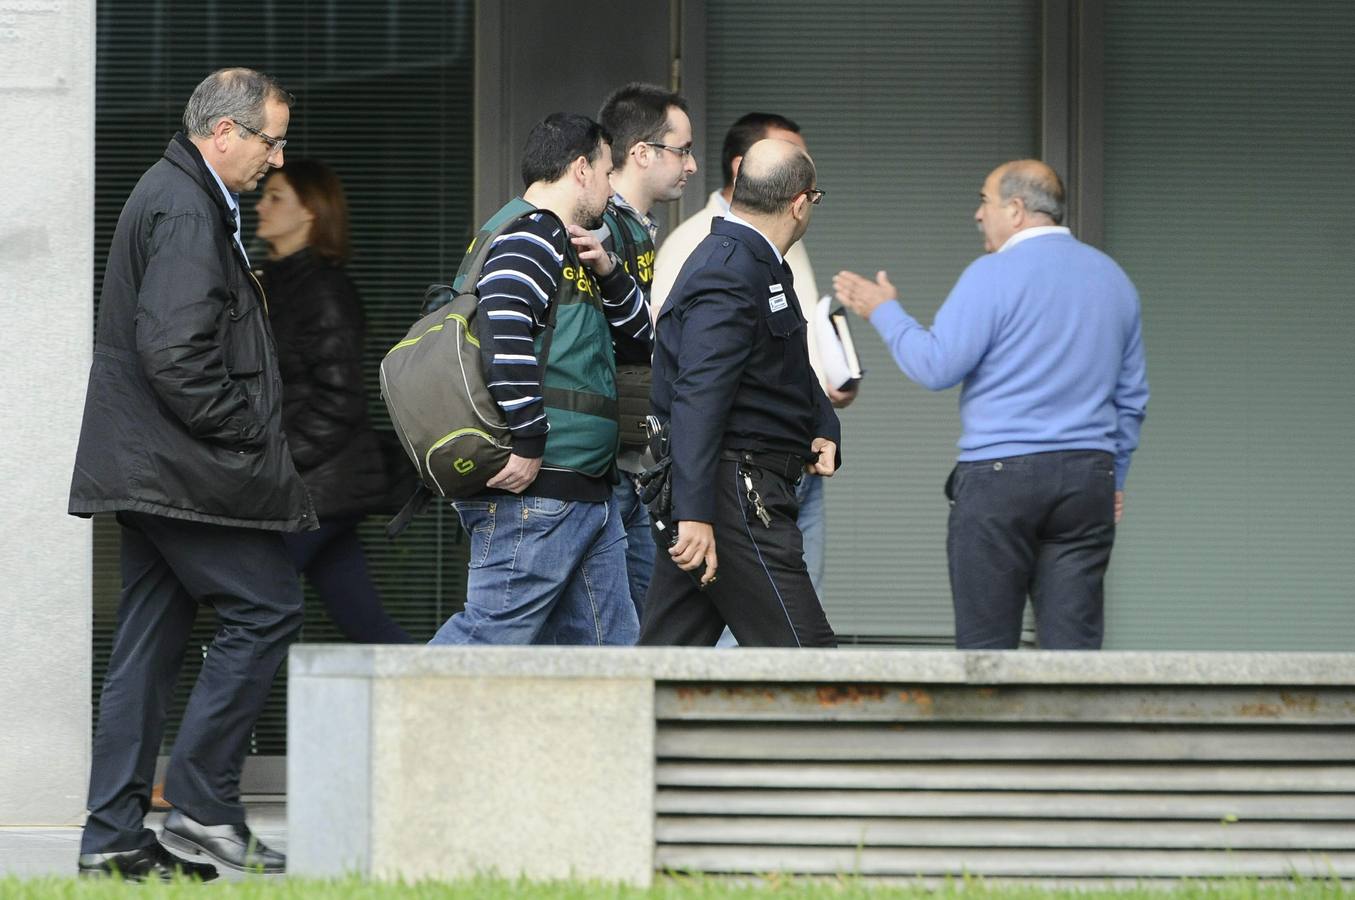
519, 279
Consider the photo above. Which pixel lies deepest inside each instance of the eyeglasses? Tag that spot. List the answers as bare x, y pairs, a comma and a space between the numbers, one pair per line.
682, 152
814, 194
275, 145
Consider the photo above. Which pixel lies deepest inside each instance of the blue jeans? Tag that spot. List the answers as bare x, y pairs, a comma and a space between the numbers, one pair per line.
1042, 525
543, 571
639, 542
813, 528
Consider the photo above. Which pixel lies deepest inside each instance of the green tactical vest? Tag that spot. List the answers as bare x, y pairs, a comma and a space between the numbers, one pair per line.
635, 248
579, 386
633, 244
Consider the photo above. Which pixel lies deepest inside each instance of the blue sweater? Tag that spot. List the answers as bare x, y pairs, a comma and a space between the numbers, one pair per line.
1046, 338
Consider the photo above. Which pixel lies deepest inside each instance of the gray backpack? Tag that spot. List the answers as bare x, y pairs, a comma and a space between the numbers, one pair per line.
435, 388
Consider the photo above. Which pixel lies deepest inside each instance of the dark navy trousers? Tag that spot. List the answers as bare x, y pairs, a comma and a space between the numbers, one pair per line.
762, 589
169, 568
333, 559
1041, 526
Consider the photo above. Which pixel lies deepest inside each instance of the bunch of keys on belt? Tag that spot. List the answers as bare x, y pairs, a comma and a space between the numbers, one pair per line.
756, 499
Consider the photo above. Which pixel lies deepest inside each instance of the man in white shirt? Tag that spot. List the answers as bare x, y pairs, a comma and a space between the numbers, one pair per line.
675, 249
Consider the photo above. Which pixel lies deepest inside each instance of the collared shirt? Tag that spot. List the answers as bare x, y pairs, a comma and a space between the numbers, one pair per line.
1027, 233
233, 201
650, 225
746, 224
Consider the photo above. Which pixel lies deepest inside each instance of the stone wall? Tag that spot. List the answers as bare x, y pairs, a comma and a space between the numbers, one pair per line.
46, 223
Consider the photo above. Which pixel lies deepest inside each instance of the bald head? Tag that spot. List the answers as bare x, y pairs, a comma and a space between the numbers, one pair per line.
772, 173
1035, 183
1021, 194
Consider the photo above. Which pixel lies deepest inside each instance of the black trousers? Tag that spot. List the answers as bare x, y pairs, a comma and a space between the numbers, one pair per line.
169, 567
762, 590
333, 559
1041, 525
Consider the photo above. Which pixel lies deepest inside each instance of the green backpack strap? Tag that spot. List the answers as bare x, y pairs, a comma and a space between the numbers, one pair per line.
468, 273
631, 252
474, 259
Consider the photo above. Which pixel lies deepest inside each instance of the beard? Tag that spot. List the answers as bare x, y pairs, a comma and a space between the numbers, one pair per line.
589, 219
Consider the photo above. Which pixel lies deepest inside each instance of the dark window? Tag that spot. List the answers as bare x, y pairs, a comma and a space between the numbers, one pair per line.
384, 96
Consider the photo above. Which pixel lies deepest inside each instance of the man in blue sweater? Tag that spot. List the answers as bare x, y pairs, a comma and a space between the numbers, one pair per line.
1044, 333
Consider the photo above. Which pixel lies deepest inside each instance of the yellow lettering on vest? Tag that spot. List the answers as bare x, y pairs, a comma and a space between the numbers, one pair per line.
646, 266
583, 281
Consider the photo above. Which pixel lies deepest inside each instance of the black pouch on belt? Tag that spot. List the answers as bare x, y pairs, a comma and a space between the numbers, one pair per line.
632, 403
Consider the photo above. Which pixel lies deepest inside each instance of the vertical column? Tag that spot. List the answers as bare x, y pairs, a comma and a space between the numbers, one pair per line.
1072, 128
46, 223
527, 65
689, 63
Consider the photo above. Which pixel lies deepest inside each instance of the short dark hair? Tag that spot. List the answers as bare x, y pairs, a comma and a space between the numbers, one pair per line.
746, 132
555, 142
773, 192
321, 192
636, 113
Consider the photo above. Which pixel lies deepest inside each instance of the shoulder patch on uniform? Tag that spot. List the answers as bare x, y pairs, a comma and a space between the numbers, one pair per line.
778, 302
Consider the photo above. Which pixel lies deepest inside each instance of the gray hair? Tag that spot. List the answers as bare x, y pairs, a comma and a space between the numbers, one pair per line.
771, 190
1038, 187
238, 94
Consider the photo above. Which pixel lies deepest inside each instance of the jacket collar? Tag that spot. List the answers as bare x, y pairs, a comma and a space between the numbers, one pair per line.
749, 237
183, 155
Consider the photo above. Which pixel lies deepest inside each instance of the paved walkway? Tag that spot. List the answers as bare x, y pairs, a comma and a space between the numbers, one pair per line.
52, 851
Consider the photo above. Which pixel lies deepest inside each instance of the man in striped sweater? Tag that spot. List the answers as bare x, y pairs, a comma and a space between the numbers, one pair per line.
548, 562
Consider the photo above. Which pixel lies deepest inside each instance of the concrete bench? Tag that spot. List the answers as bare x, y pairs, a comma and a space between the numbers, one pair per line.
616, 763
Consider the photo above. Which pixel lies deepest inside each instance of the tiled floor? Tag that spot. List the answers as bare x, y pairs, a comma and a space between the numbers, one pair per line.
52, 851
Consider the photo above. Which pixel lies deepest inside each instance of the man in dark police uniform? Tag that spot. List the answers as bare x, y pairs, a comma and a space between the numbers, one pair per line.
746, 419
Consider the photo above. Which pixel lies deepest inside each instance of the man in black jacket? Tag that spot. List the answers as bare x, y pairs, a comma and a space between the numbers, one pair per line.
747, 418
182, 440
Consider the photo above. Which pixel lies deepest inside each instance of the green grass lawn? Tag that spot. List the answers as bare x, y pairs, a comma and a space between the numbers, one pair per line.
671, 888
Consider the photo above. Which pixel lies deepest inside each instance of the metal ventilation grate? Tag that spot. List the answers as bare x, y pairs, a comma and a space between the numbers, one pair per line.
903, 781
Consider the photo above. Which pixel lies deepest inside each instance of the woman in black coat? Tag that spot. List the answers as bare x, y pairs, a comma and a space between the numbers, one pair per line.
318, 325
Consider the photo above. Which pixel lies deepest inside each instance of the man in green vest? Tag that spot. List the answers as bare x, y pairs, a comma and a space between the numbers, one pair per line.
547, 563
652, 160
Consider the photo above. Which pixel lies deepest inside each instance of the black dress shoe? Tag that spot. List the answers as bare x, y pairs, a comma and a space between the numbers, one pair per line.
234, 846
142, 863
